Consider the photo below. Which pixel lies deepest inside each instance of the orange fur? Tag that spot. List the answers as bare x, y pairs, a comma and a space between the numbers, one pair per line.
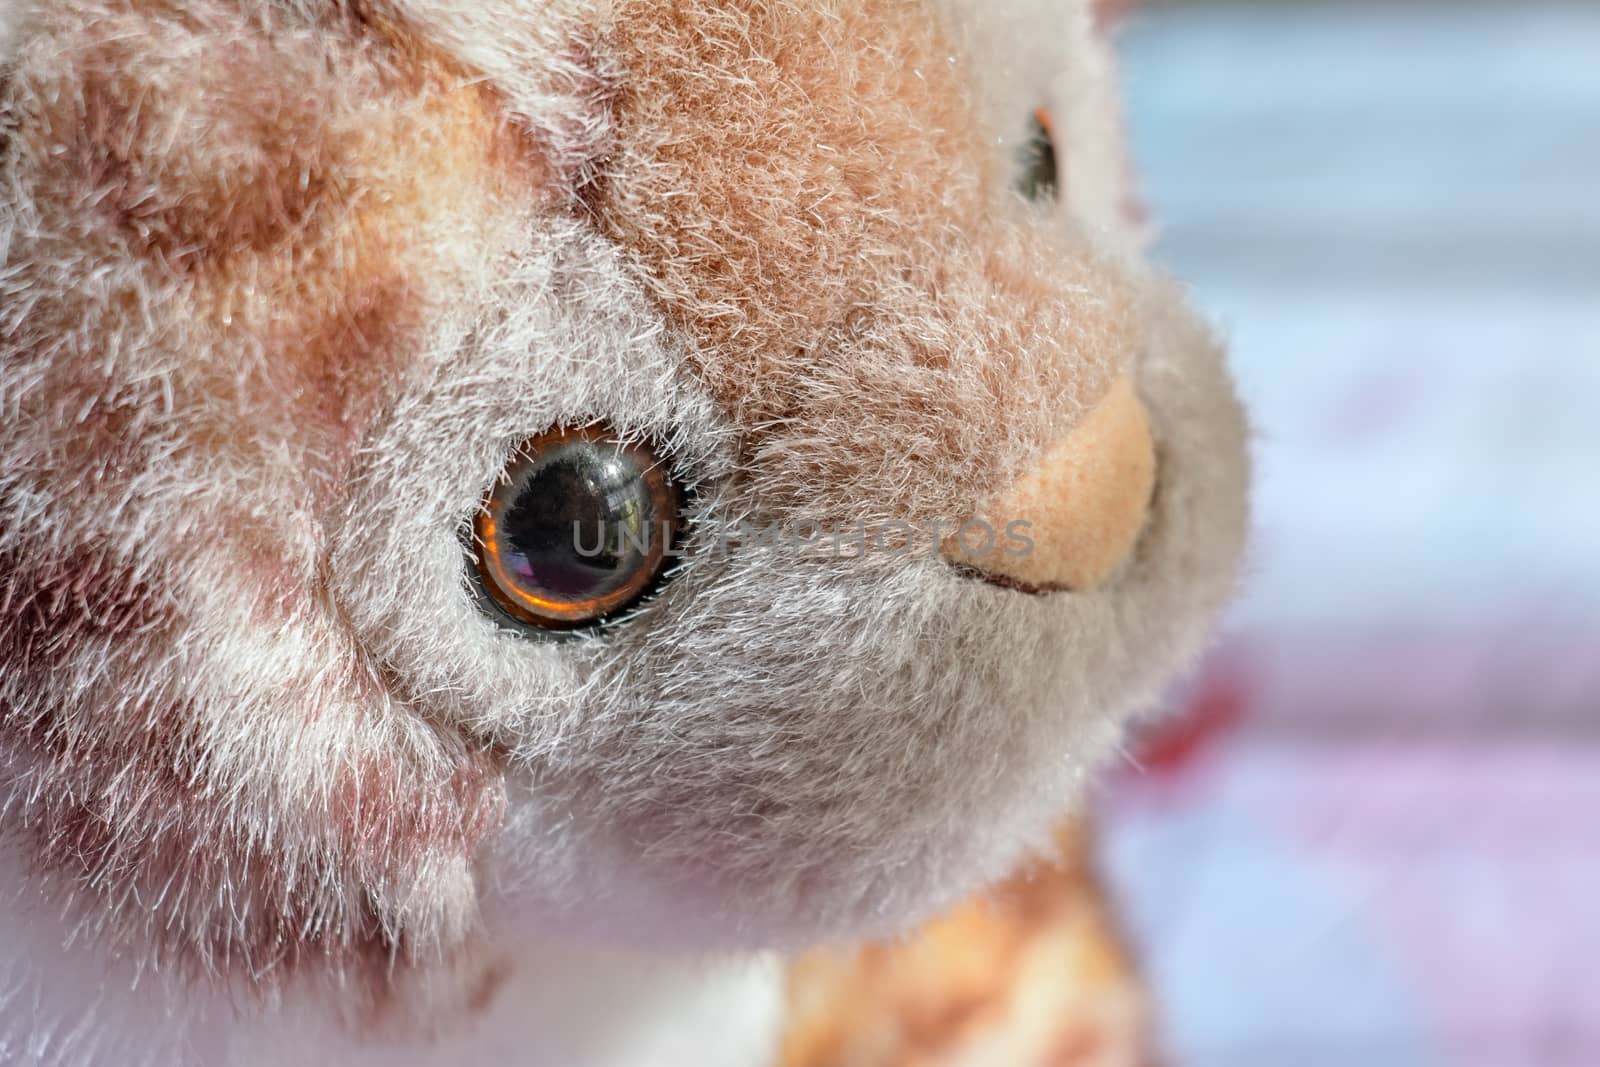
1034, 972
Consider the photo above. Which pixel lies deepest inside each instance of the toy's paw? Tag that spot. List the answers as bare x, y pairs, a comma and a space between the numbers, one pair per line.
1034, 974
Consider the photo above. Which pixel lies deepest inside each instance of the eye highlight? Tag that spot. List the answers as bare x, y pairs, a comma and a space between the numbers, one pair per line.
1037, 179
578, 527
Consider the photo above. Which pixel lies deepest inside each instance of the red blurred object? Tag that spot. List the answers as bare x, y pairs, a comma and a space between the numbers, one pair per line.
1215, 708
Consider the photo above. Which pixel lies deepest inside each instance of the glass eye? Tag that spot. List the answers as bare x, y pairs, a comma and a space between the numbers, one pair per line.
1038, 179
578, 527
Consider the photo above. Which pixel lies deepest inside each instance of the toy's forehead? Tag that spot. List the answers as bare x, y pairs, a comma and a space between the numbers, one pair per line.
807, 191
816, 196
820, 210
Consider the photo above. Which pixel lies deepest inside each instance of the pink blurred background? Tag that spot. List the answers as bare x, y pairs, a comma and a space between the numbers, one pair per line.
1372, 838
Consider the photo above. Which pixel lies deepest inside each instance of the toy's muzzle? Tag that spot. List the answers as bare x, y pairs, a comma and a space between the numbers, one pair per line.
1071, 521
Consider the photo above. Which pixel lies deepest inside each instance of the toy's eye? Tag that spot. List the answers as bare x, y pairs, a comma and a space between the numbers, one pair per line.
579, 526
1037, 180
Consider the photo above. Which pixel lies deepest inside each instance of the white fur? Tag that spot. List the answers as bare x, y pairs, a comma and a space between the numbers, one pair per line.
64, 1004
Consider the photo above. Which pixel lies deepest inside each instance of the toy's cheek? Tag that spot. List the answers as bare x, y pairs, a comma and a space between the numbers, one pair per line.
1069, 523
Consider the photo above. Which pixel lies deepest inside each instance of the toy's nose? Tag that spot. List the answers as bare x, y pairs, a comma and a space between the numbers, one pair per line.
1070, 522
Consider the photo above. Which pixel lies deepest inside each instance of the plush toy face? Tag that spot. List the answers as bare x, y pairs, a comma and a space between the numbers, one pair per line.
290, 289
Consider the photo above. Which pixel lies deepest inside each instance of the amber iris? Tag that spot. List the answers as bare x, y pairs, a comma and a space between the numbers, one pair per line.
579, 527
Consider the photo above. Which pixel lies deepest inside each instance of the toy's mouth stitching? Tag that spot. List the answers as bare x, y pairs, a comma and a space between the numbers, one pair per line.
1001, 581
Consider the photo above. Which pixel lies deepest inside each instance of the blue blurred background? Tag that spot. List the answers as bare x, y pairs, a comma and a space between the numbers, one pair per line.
1372, 839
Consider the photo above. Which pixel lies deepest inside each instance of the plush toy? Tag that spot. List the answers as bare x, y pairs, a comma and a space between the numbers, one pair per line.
519, 518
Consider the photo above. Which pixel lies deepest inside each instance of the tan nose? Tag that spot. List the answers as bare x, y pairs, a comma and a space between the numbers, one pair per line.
1071, 522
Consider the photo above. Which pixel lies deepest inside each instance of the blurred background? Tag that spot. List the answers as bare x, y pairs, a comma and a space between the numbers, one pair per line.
1372, 839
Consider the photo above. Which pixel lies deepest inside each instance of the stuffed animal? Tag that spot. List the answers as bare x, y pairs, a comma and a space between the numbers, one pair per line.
520, 519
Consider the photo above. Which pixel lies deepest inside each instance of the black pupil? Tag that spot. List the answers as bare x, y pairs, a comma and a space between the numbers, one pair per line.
1038, 163
580, 520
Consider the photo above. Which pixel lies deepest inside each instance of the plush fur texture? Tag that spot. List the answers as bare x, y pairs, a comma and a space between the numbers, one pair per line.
1032, 972
281, 286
